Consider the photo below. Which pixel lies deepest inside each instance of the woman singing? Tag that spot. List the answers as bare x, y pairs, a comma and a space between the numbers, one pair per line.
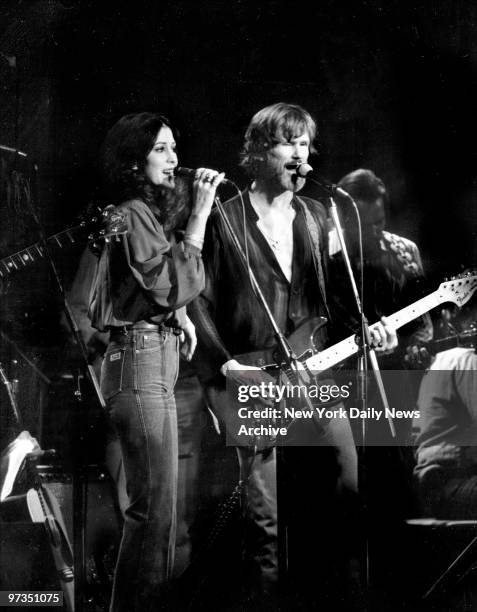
142, 285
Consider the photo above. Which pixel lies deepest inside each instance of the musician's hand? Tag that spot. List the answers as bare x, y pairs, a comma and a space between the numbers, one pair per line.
205, 185
188, 339
383, 337
241, 374
417, 357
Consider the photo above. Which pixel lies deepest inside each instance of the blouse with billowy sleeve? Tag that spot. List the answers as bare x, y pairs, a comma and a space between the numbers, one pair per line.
146, 275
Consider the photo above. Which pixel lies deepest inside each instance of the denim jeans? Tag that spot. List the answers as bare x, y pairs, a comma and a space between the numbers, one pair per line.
138, 376
260, 495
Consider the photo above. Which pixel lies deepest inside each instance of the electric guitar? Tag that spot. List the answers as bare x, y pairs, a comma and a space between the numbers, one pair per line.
459, 289
466, 338
92, 226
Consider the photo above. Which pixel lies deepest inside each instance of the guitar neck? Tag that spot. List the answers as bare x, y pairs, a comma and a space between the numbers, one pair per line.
348, 347
36, 251
417, 309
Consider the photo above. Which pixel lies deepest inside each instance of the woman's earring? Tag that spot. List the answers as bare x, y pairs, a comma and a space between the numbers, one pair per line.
134, 168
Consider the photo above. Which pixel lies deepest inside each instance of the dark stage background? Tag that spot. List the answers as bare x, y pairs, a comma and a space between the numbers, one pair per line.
392, 84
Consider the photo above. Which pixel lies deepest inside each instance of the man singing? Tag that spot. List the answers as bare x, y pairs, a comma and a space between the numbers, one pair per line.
286, 243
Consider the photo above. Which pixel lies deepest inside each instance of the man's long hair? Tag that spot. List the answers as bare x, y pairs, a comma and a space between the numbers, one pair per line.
124, 154
365, 188
362, 184
273, 124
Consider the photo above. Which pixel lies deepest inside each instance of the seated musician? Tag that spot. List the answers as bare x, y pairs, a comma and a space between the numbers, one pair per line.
446, 469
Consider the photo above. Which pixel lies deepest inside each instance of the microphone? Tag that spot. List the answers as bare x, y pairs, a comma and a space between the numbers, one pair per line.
12, 150
189, 173
306, 171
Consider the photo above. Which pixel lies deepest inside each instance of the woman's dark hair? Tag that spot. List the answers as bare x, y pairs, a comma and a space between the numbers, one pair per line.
124, 154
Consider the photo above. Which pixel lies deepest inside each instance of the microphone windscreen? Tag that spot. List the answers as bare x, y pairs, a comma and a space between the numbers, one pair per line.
304, 169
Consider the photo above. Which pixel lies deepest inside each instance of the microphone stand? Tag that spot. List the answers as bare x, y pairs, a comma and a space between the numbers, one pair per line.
366, 349
286, 358
79, 468
367, 352
11, 388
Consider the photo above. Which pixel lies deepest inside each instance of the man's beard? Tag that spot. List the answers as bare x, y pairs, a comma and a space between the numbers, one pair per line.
278, 181
298, 182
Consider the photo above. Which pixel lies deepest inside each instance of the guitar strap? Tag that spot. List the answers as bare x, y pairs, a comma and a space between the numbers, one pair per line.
407, 257
314, 240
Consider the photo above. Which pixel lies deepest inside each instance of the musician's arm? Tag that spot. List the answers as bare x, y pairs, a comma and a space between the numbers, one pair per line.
212, 352
345, 322
78, 298
424, 331
214, 360
416, 336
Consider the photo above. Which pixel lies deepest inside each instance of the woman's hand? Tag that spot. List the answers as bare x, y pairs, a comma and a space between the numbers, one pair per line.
205, 185
188, 339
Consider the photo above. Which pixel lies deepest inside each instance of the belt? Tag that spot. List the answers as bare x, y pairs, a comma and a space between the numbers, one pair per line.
144, 326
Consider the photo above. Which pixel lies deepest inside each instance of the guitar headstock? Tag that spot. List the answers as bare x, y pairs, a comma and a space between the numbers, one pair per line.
108, 224
459, 289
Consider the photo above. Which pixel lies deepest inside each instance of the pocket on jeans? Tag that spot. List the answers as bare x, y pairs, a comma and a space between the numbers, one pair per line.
157, 367
150, 343
112, 372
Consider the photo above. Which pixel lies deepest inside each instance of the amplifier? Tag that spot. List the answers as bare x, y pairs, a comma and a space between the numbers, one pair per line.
25, 557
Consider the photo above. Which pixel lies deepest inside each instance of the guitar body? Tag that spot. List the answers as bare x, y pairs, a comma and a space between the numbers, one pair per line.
305, 339
224, 404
